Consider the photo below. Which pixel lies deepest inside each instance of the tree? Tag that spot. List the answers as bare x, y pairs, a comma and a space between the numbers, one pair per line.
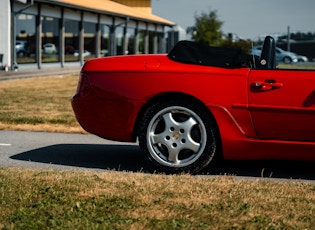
238, 43
208, 29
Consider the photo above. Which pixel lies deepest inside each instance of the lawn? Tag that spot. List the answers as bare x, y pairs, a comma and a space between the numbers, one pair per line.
39, 104
35, 199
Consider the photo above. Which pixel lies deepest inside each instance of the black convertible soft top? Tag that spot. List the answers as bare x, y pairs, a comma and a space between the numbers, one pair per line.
195, 53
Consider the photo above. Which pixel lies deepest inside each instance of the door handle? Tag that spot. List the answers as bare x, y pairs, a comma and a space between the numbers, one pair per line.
265, 86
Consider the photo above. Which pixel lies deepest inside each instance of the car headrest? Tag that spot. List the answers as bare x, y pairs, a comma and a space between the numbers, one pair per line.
268, 54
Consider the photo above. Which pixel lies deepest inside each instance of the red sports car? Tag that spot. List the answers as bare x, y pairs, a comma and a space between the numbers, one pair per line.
198, 102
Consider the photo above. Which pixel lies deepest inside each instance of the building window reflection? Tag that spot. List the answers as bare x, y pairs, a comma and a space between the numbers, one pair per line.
130, 41
25, 45
89, 40
50, 39
71, 40
151, 41
119, 32
141, 45
104, 40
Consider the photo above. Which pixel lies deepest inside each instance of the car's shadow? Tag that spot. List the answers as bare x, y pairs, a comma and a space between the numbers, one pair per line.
93, 156
130, 158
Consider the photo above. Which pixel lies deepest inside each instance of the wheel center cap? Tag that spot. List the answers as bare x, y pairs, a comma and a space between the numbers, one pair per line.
176, 136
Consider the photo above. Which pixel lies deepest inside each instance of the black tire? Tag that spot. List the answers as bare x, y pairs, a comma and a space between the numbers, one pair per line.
178, 136
287, 60
21, 54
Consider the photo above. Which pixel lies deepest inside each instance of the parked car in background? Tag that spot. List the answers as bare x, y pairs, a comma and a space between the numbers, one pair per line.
281, 55
69, 49
49, 48
302, 58
22, 48
85, 53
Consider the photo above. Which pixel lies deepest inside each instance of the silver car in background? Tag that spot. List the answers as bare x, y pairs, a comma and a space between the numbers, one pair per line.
281, 55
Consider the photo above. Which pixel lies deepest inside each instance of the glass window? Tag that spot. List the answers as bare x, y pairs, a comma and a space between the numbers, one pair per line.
141, 45
71, 40
161, 44
50, 39
25, 45
151, 42
104, 40
119, 33
130, 40
89, 40
155, 39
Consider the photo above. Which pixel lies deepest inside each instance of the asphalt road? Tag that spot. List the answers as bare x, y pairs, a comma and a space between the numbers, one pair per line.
88, 152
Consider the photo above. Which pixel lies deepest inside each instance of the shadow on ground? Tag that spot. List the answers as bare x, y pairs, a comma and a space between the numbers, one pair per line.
130, 158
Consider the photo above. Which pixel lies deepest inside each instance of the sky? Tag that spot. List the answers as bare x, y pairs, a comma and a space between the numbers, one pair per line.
249, 19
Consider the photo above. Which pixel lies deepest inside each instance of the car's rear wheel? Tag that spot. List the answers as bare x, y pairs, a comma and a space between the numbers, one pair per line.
178, 136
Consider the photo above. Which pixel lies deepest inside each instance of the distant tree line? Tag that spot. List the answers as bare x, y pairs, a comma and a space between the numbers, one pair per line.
300, 36
207, 30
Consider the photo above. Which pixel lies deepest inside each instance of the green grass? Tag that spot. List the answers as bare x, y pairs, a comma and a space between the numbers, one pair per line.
41, 104
299, 65
34, 199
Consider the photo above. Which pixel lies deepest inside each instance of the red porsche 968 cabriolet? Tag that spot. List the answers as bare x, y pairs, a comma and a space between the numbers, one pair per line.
197, 102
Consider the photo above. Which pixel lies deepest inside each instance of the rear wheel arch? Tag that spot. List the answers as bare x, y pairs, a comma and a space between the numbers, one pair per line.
167, 97
185, 101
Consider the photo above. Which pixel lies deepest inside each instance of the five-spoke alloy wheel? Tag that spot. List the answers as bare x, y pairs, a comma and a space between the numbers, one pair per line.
178, 136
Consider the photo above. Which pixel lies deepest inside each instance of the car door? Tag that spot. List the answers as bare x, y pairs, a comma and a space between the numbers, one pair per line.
282, 104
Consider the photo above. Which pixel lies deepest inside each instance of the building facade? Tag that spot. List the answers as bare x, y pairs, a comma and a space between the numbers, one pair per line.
68, 32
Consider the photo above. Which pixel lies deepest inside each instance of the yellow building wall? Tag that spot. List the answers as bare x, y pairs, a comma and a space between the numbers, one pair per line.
142, 5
